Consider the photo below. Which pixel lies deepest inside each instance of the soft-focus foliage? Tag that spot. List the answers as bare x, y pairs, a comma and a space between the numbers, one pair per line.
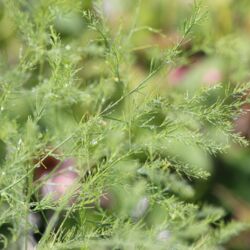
115, 116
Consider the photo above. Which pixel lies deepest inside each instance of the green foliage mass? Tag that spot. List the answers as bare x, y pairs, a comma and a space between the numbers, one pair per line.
73, 89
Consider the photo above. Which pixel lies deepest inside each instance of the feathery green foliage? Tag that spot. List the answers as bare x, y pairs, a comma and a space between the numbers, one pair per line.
131, 140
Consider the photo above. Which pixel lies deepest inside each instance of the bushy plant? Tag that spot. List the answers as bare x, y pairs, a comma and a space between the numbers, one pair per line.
71, 87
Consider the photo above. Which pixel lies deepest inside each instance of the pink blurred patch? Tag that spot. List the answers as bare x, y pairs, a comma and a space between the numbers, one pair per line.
57, 177
177, 75
212, 76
